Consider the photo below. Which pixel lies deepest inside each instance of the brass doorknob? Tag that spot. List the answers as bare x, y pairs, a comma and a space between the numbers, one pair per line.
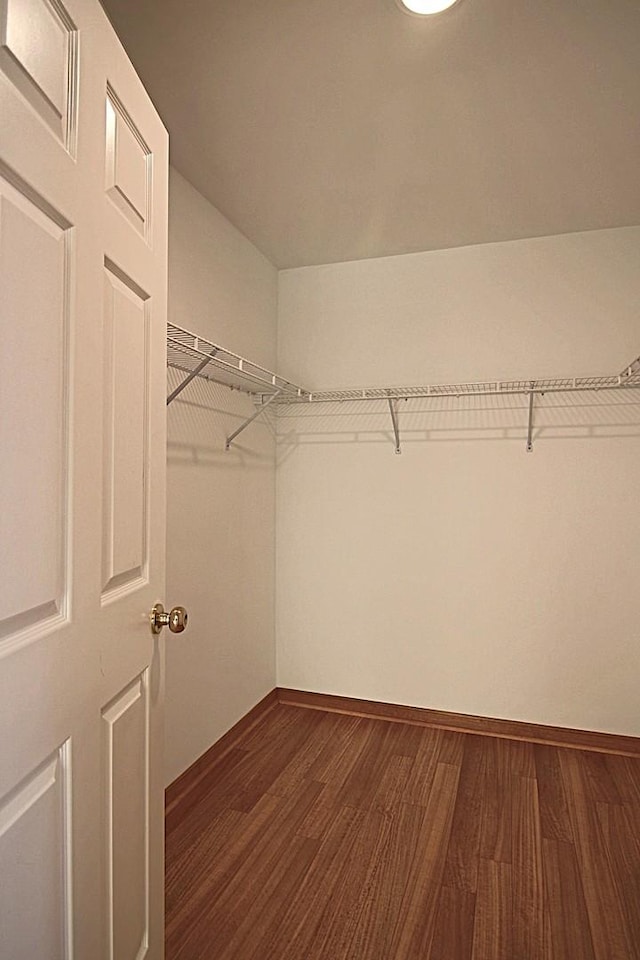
176, 619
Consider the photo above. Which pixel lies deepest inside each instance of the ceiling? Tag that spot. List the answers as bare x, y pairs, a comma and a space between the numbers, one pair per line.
330, 130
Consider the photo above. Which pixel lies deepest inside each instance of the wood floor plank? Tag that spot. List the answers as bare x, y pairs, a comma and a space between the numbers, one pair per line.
625, 773
278, 724
602, 786
299, 922
179, 821
265, 849
321, 816
521, 758
527, 877
622, 842
554, 813
304, 760
428, 749
336, 759
338, 922
178, 792
392, 788
461, 867
495, 830
270, 758
416, 920
272, 821
243, 775
381, 742
567, 932
493, 918
609, 931
206, 866
189, 866
407, 743
333, 766
451, 747
259, 907
381, 901
453, 933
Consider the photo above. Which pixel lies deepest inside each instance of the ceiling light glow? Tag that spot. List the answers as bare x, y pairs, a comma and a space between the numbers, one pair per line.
423, 8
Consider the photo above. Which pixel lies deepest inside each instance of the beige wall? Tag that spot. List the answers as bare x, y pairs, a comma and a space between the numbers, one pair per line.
220, 516
465, 574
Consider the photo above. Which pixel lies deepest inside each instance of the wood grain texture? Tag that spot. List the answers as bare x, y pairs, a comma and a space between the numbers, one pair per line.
554, 813
493, 918
461, 868
465, 723
455, 919
325, 835
495, 825
526, 853
180, 792
564, 898
611, 935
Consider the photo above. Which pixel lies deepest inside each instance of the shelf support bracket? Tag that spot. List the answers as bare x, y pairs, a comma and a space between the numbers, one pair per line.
530, 427
243, 426
632, 370
194, 373
394, 420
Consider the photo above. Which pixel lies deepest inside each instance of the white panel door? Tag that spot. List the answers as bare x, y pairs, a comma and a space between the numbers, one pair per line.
83, 273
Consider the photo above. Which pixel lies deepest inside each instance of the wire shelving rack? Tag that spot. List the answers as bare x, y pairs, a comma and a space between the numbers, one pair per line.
198, 357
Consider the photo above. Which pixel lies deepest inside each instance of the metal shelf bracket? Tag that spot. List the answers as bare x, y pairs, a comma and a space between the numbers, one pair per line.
194, 373
633, 370
394, 419
243, 426
530, 428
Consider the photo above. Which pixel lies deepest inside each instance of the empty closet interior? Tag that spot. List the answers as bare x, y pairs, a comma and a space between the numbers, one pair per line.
490, 568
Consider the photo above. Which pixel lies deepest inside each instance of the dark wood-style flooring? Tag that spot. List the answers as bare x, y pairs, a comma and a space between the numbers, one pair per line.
327, 836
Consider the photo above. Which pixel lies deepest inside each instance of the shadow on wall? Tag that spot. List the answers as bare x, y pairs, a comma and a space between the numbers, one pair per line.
201, 418
556, 416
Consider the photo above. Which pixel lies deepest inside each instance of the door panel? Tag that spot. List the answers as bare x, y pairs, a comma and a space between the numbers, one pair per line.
83, 247
35, 846
38, 336
126, 329
126, 732
128, 165
38, 53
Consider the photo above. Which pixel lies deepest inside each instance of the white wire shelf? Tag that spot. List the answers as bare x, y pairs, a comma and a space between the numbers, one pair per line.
199, 357
629, 378
488, 388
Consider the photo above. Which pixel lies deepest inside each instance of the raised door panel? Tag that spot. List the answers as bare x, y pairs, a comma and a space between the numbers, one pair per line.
36, 915
34, 371
126, 747
126, 361
38, 53
128, 166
